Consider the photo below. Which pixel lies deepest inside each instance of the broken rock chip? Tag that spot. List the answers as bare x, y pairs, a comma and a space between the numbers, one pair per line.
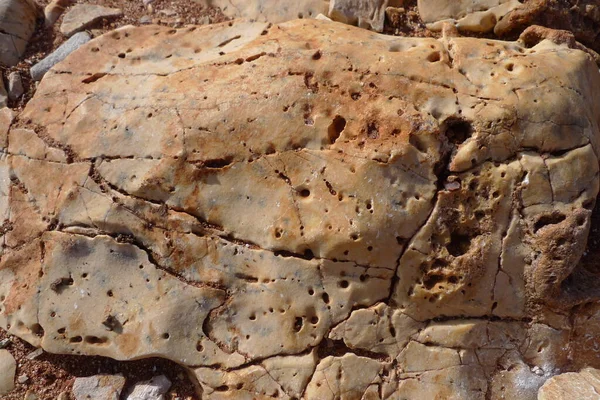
98, 387
271, 10
244, 198
583, 385
468, 15
369, 14
17, 23
8, 367
84, 15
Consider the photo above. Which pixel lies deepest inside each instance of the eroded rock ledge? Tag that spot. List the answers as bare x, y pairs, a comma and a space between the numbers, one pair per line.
308, 210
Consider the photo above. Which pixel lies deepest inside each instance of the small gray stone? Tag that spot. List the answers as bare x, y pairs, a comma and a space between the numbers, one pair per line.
35, 354
6, 341
83, 15
39, 70
3, 102
154, 389
22, 378
98, 387
15, 86
145, 20
8, 367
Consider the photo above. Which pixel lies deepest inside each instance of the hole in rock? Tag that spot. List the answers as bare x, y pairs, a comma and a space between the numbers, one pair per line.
336, 128
548, 219
37, 330
434, 57
218, 162
298, 323
458, 130
459, 244
76, 339
304, 193
95, 340
431, 280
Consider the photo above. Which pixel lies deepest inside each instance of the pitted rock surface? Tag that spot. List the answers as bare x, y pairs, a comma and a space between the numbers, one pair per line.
308, 210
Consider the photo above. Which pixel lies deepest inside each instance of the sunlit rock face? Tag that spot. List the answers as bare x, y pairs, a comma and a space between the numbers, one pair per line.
308, 210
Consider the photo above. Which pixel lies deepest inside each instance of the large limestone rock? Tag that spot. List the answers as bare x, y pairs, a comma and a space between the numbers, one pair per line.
308, 210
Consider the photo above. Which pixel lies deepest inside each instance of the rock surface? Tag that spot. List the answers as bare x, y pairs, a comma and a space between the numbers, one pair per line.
276, 207
369, 14
581, 17
84, 15
54, 10
154, 389
271, 10
98, 387
8, 366
583, 385
39, 70
17, 23
467, 15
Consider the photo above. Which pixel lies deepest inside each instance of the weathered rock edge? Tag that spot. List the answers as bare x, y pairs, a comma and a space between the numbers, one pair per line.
280, 206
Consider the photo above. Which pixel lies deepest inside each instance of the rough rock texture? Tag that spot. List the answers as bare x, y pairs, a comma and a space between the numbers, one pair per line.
582, 17
54, 10
154, 389
17, 23
308, 210
467, 15
8, 366
369, 14
83, 15
271, 10
98, 387
584, 385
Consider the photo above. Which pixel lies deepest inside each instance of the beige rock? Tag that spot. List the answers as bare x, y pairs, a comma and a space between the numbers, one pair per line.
17, 23
84, 15
467, 15
308, 210
8, 366
584, 385
271, 10
368, 14
98, 387
54, 10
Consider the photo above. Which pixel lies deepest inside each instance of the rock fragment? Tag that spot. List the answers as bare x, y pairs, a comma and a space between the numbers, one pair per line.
154, 389
83, 16
468, 15
3, 94
15, 86
8, 367
369, 14
271, 10
582, 385
54, 10
39, 70
98, 387
17, 23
